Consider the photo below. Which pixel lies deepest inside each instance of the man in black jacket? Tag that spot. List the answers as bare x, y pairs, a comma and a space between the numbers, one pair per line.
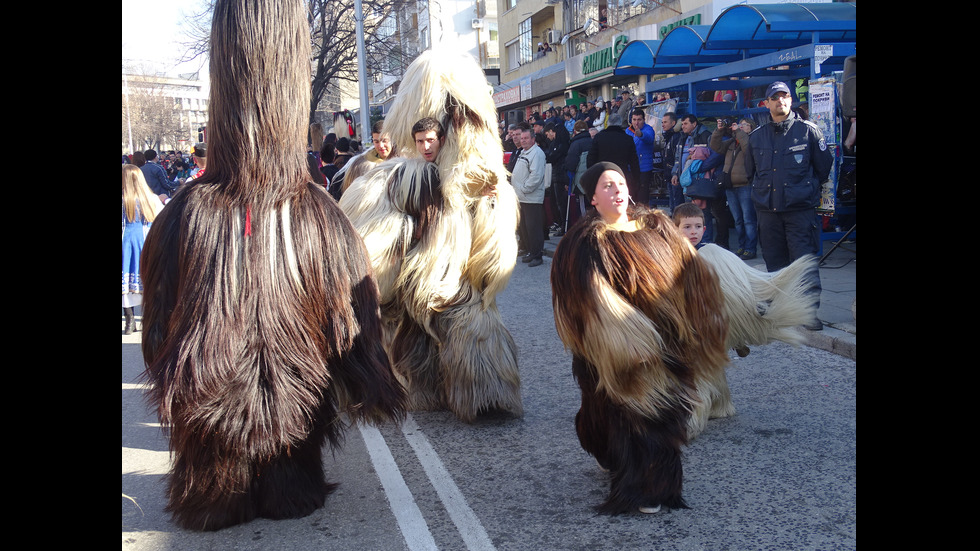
613, 144
787, 162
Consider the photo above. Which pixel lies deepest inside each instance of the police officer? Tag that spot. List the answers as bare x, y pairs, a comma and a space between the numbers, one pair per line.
788, 161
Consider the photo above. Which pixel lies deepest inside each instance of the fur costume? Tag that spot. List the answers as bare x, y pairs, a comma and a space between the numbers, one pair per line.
261, 313
644, 318
649, 321
442, 241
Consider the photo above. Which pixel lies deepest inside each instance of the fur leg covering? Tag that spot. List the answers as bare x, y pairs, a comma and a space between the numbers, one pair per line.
441, 237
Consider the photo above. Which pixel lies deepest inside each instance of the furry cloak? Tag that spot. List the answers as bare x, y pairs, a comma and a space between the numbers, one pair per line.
649, 321
643, 316
442, 241
261, 313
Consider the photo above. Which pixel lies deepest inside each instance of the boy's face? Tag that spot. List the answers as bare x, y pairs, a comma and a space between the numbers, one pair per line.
382, 145
692, 228
428, 144
611, 198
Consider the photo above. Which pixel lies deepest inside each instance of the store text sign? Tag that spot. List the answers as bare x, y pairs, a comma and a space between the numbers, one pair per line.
606, 57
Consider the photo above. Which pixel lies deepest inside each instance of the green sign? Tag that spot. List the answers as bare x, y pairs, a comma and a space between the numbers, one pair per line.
606, 57
693, 20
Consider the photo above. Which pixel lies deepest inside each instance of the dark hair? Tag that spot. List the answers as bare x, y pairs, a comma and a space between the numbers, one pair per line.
686, 210
691, 118
428, 124
376, 127
550, 127
328, 152
150, 154
671, 115
343, 145
139, 158
636, 112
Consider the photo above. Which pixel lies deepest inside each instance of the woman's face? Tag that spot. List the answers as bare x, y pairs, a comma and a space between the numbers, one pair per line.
611, 197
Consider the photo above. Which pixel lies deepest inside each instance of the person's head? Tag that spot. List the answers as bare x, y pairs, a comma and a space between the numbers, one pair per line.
747, 125
527, 138
343, 145
136, 192
605, 185
625, 95
429, 138
139, 158
593, 131
200, 154
572, 109
779, 101
637, 118
690, 221
688, 123
549, 131
382, 143
538, 126
668, 121
580, 126
150, 155
328, 152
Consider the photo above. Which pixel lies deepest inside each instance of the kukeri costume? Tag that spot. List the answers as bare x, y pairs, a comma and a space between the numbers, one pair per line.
442, 242
261, 315
649, 322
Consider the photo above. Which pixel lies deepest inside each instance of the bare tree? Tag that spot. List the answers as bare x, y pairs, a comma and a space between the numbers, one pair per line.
151, 115
334, 40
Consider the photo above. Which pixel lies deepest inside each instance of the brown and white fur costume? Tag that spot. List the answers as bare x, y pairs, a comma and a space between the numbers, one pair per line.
442, 242
649, 321
261, 314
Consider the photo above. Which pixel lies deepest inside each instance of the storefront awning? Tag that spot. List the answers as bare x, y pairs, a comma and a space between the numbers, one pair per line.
744, 32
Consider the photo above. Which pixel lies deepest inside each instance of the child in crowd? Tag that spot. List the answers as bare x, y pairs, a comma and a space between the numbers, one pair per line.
690, 220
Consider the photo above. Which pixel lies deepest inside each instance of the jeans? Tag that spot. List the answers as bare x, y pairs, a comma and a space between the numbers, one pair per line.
746, 225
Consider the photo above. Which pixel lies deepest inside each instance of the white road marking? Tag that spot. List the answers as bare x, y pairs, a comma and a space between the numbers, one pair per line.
407, 513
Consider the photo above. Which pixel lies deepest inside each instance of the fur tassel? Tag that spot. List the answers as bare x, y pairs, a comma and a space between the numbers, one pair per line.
763, 307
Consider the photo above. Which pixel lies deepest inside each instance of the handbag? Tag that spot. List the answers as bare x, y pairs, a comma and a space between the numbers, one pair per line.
704, 188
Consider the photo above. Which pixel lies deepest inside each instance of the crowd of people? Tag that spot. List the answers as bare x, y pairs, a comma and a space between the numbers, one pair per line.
660, 167
549, 152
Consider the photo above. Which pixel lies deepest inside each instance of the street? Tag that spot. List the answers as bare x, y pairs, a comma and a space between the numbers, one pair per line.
780, 474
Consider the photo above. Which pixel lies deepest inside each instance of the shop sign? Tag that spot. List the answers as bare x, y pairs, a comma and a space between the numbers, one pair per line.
606, 57
667, 27
507, 97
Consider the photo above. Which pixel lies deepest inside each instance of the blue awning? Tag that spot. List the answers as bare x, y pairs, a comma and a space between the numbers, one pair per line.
743, 32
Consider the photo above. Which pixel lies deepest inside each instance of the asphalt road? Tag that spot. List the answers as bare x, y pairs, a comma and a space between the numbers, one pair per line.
780, 474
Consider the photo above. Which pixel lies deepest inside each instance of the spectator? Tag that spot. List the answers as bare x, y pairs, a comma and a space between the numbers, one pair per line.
614, 145
528, 182
156, 176
575, 164
554, 155
645, 142
738, 192
786, 185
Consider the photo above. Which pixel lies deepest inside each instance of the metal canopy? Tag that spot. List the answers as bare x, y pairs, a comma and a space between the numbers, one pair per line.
751, 43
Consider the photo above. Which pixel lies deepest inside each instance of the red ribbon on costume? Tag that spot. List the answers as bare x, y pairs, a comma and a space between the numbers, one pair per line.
248, 221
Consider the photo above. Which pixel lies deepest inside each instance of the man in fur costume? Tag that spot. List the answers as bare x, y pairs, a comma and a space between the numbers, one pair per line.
261, 313
442, 242
648, 322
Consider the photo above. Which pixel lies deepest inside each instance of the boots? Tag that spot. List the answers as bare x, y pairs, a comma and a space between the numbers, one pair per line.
130, 321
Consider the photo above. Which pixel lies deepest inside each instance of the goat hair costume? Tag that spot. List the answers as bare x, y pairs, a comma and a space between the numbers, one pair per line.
442, 241
649, 322
261, 314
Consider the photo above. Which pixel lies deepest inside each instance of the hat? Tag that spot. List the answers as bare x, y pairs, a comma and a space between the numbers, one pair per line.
200, 150
590, 178
777, 86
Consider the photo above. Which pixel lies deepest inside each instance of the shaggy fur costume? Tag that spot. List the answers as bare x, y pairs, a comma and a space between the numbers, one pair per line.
442, 242
261, 314
649, 321
644, 318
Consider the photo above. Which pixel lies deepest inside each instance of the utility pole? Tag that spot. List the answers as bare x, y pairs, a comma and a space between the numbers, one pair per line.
362, 71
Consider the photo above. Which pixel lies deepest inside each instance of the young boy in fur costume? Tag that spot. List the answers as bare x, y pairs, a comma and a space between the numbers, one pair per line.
261, 313
442, 241
649, 320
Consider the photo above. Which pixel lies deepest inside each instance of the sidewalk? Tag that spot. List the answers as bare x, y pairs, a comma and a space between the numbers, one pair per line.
838, 277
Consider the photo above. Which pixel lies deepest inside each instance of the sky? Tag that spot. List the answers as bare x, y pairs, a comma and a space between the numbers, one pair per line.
152, 32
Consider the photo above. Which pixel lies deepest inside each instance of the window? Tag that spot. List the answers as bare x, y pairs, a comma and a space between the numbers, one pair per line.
524, 36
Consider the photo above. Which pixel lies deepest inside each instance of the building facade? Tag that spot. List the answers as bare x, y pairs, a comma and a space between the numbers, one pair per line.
163, 113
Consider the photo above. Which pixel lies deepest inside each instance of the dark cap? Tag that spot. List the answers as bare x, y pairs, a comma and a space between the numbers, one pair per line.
590, 178
777, 86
